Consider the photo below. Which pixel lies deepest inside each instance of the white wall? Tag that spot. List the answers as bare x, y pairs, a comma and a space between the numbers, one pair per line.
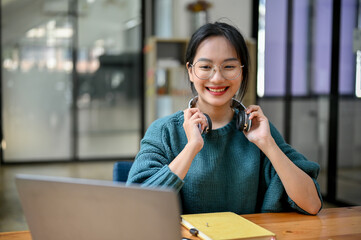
236, 12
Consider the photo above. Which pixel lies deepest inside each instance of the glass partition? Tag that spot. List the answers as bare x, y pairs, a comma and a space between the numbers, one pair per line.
36, 81
53, 111
349, 132
310, 83
109, 71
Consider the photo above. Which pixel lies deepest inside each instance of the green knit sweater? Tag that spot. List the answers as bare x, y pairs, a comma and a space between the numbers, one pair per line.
229, 174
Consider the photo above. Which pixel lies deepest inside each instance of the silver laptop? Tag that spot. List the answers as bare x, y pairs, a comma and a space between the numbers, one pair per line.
82, 209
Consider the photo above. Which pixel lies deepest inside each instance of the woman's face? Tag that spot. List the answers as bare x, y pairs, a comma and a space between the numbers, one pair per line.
216, 91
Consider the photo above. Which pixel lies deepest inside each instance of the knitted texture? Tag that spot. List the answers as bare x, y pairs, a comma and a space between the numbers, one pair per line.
229, 174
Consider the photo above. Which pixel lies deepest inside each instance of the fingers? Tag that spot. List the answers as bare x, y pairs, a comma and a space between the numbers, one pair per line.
254, 111
190, 112
252, 108
196, 117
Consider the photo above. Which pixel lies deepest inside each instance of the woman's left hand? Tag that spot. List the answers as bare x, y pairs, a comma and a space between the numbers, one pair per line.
298, 185
259, 133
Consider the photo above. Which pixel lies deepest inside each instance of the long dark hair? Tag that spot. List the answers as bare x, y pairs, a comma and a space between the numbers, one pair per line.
234, 37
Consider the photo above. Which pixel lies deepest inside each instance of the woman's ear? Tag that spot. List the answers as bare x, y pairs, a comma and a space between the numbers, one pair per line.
189, 70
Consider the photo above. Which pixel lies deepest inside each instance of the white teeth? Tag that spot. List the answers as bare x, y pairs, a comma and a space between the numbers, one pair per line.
217, 90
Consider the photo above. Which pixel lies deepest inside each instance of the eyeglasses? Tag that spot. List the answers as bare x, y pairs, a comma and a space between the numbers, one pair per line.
230, 70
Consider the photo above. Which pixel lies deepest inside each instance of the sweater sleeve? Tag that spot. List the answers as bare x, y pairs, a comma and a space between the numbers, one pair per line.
150, 167
275, 198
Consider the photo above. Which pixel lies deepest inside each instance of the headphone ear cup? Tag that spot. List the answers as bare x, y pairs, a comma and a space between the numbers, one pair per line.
248, 122
209, 121
243, 123
240, 120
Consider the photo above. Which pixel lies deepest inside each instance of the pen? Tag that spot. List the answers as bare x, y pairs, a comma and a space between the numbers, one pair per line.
193, 231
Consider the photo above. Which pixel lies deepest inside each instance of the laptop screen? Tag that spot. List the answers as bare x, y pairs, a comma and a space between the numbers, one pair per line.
69, 208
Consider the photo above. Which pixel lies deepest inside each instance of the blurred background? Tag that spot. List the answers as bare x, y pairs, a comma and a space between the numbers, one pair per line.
81, 80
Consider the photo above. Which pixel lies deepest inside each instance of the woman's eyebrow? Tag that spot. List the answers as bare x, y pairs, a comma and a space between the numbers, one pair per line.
204, 59
209, 60
231, 59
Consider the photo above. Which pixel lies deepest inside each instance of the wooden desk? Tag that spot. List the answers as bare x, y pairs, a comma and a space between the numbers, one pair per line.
329, 224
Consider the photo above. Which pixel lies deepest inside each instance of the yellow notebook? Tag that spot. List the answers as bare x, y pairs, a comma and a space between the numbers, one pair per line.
225, 225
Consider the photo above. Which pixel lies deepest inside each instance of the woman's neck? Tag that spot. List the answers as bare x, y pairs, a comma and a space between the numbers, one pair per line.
220, 116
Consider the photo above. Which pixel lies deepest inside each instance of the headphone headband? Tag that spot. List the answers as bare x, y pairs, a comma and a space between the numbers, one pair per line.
235, 103
192, 102
242, 122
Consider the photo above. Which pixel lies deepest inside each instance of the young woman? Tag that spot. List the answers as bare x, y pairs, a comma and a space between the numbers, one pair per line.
228, 168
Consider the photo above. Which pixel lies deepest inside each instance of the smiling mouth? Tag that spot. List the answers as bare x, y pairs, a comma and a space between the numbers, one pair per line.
217, 90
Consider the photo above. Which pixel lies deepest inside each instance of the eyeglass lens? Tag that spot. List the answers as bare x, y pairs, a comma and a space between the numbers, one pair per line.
229, 69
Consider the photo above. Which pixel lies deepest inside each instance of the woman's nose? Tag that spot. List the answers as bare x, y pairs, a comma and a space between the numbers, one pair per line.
217, 75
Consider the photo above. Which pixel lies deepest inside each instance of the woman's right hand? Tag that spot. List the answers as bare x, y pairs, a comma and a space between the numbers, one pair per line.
194, 123
193, 118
